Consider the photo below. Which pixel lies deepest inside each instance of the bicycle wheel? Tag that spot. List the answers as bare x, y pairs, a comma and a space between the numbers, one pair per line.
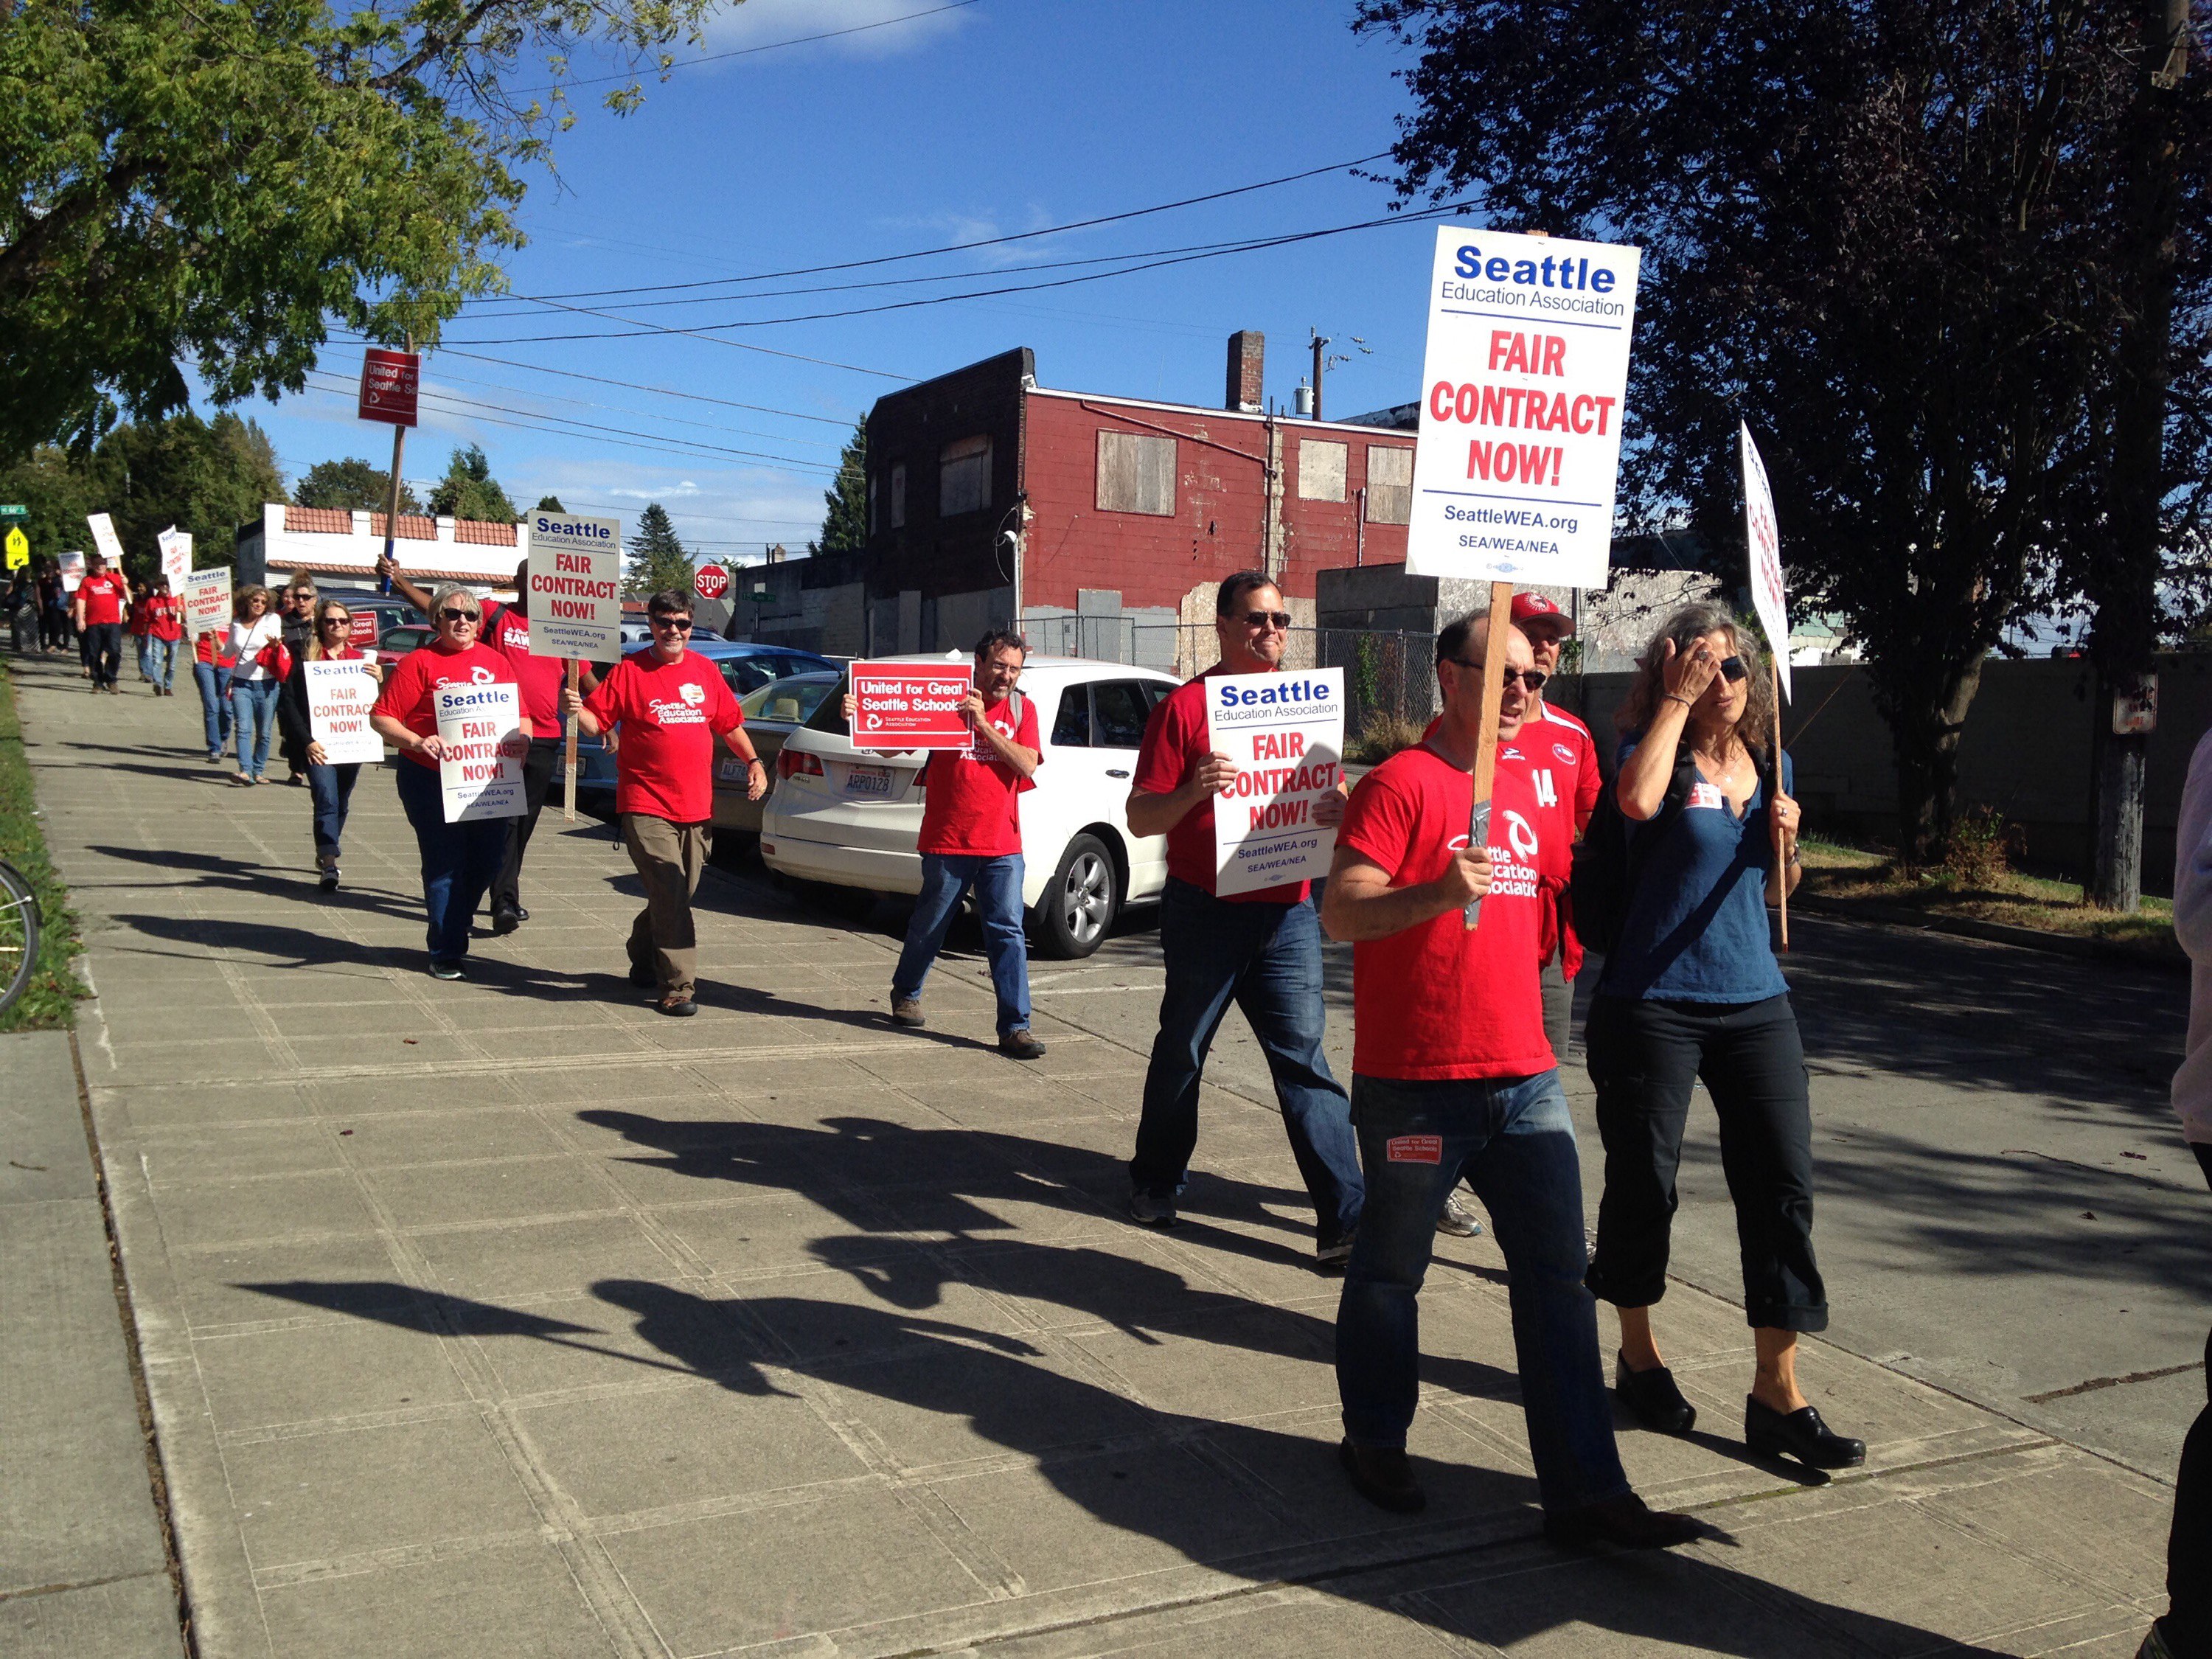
18, 934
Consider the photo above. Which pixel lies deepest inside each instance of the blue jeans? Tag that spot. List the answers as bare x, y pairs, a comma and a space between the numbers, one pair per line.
157, 660
945, 879
252, 716
1266, 958
331, 789
214, 684
1514, 1140
458, 860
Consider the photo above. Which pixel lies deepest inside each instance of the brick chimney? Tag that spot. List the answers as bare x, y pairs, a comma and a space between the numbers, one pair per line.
1247, 351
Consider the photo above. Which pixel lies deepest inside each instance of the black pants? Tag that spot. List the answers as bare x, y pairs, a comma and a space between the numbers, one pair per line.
103, 652
2187, 1626
536, 782
1644, 1057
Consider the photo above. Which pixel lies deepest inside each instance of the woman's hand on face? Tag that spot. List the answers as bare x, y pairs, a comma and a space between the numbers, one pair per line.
1687, 674
318, 755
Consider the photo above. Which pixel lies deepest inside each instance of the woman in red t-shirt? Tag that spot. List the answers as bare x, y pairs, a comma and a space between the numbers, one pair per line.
211, 665
458, 860
161, 618
330, 787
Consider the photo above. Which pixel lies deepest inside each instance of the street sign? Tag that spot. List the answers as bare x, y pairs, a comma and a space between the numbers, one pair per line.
711, 581
19, 549
389, 383
15, 511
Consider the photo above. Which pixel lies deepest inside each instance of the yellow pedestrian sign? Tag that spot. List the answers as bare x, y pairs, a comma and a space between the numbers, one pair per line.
19, 549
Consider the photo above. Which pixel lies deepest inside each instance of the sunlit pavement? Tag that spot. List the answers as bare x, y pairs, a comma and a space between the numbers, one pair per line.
508, 1318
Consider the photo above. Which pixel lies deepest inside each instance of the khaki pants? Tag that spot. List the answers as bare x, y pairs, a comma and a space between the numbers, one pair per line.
669, 858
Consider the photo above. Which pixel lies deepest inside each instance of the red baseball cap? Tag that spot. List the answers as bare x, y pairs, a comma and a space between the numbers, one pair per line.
1534, 607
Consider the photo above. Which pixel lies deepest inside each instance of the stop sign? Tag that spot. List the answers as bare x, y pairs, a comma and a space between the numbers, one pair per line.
711, 581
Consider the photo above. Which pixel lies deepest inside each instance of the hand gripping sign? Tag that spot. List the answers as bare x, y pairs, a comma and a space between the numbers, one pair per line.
339, 697
908, 705
1523, 388
1286, 732
480, 731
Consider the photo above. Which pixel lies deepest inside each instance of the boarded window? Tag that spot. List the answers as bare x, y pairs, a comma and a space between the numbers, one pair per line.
1389, 484
1136, 473
963, 476
898, 496
1321, 469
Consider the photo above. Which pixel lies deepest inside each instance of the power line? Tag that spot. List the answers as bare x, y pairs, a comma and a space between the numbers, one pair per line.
748, 51
960, 247
616, 409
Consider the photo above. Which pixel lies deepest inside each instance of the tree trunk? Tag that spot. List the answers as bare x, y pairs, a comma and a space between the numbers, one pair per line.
1926, 720
2116, 881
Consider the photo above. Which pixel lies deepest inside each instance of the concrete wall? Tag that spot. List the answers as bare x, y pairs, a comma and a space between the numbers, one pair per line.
2024, 751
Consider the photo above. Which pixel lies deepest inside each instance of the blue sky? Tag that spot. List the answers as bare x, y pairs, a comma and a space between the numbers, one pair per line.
997, 116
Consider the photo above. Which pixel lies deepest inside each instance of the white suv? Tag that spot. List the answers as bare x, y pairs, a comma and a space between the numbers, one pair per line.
850, 817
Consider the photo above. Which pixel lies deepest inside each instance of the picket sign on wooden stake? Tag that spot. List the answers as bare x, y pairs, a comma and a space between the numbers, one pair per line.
575, 678
1781, 870
1486, 748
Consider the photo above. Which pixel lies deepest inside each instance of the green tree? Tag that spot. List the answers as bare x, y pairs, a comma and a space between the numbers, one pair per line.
59, 490
352, 485
1891, 235
656, 558
548, 504
468, 491
211, 187
845, 526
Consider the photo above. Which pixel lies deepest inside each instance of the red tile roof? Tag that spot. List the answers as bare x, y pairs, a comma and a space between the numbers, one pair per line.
337, 521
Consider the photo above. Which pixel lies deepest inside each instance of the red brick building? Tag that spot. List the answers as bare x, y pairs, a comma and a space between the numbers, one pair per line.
1103, 522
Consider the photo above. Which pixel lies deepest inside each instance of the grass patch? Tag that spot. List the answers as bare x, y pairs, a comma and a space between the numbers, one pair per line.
1381, 735
1852, 874
49, 1001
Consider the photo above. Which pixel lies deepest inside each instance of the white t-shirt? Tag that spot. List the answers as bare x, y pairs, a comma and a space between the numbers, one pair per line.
248, 641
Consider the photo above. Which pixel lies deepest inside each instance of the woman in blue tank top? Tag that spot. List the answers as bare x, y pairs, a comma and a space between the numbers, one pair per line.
1691, 992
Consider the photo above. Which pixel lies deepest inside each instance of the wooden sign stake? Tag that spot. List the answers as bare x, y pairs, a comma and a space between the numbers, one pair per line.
1781, 870
1485, 749
575, 678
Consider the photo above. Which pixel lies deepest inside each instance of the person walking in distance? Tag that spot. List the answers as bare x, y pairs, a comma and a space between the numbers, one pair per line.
971, 837
1260, 949
330, 787
103, 598
211, 665
164, 631
458, 860
258, 666
2185, 1631
54, 608
1452, 1075
667, 705
507, 630
296, 613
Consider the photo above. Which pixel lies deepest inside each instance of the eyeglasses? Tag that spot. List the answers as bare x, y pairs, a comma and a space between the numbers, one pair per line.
337, 622
452, 616
681, 624
1280, 620
1529, 678
1732, 668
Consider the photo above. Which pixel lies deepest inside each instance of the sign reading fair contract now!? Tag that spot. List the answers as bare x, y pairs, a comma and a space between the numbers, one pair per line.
910, 704
207, 600
1286, 732
480, 731
339, 696
575, 587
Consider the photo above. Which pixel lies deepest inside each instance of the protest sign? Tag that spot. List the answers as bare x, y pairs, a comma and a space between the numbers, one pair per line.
480, 731
72, 569
362, 629
339, 697
390, 383
105, 539
207, 600
1768, 595
176, 547
575, 587
1286, 732
909, 705
1524, 381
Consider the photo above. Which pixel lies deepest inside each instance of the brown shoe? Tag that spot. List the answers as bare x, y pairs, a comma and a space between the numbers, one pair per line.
907, 1011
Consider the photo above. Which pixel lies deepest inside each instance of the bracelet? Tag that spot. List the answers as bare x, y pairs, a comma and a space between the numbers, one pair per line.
1676, 697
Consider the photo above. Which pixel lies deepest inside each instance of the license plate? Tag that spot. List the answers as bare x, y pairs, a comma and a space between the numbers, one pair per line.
731, 769
868, 781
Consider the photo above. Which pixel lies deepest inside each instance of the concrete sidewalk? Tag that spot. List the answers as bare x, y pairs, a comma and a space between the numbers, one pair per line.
508, 1318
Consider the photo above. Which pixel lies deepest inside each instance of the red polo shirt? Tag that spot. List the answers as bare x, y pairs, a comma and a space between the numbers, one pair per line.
670, 714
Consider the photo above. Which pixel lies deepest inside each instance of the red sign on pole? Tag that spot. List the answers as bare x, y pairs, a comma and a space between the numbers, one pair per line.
711, 581
361, 635
906, 705
389, 381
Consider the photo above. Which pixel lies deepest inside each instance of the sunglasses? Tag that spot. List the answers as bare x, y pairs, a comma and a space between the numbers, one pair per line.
337, 622
681, 624
1732, 668
1529, 678
1275, 619
452, 616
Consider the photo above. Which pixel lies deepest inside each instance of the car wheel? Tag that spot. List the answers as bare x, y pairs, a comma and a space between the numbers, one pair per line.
1080, 902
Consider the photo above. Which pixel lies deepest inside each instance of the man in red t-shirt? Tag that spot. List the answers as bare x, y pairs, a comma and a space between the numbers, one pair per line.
971, 836
668, 706
507, 630
1452, 1075
102, 599
1261, 950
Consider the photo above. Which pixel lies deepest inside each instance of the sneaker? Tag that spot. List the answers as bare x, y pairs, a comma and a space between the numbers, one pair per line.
1020, 1045
1381, 1475
2155, 1646
1334, 1258
444, 969
907, 1011
1151, 1212
329, 882
1457, 1219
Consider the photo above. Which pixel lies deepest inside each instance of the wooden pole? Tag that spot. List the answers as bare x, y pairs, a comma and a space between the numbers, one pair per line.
576, 678
1486, 748
1781, 870
391, 506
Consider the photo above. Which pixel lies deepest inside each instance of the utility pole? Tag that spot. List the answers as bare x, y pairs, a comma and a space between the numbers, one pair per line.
1320, 345
2125, 575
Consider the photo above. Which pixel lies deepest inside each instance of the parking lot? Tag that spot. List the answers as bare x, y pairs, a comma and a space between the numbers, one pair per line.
504, 1318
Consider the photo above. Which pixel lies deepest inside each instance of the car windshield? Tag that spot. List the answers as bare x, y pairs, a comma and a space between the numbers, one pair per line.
403, 638
792, 699
749, 673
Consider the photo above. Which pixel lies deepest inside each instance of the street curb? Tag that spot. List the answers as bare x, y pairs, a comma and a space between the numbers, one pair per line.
1993, 933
